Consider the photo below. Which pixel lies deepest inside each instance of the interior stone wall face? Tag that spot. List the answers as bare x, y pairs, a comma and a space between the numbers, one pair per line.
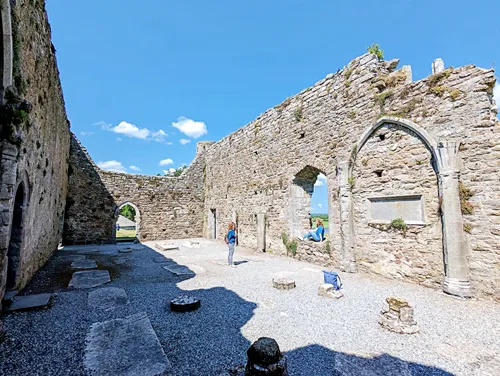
252, 169
169, 207
40, 159
405, 165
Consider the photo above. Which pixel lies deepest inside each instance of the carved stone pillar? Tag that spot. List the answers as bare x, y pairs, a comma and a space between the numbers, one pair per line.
456, 280
348, 260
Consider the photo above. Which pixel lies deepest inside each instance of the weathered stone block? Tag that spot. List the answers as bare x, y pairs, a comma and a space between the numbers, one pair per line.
283, 283
328, 291
265, 359
397, 316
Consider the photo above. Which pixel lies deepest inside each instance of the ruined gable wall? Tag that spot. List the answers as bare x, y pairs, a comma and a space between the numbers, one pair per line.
38, 156
250, 171
169, 207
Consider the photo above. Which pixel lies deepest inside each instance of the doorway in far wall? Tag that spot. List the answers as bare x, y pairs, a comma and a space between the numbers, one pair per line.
212, 224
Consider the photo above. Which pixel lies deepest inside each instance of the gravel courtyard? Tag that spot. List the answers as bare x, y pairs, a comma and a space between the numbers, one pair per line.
320, 336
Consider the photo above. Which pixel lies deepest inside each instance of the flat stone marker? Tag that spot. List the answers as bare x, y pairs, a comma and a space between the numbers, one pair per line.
184, 303
89, 278
125, 347
166, 246
70, 257
125, 250
108, 298
84, 264
179, 270
20, 303
283, 283
161, 259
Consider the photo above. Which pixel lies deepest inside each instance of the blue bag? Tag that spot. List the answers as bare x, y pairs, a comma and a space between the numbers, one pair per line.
333, 279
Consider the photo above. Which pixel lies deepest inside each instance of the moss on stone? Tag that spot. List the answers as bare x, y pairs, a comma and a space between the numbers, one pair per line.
382, 97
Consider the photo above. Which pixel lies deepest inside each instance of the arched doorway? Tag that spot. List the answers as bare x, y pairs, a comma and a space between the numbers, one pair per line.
127, 220
16, 237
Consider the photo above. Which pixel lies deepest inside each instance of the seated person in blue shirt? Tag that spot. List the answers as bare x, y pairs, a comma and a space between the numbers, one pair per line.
319, 234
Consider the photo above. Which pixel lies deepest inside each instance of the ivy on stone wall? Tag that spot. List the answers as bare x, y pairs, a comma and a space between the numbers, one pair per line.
14, 115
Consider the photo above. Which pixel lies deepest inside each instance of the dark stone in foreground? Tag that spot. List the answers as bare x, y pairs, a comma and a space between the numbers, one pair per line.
20, 303
184, 303
2, 332
265, 359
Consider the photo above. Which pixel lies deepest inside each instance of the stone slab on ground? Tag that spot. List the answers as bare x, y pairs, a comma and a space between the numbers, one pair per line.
165, 246
125, 347
161, 259
125, 250
20, 303
179, 270
70, 257
108, 298
89, 278
283, 283
84, 264
9, 295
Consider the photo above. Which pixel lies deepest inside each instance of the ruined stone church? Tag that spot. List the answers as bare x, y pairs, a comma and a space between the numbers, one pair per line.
413, 172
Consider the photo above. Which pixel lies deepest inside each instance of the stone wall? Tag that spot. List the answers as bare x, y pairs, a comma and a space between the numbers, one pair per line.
35, 143
169, 207
252, 170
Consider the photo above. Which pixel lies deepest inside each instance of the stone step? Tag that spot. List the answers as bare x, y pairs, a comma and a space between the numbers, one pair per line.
22, 303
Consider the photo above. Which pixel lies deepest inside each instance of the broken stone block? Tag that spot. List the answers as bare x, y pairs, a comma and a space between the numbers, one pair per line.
397, 316
283, 283
327, 290
265, 359
179, 270
89, 278
184, 303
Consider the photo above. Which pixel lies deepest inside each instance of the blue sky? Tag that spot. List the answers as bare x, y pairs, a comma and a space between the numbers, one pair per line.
144, 81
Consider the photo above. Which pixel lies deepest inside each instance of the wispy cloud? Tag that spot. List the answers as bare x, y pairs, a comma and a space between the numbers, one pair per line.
83, 133
183, 141
133, 131
190, 127
166, 162
114, 166
134, 168
169, 171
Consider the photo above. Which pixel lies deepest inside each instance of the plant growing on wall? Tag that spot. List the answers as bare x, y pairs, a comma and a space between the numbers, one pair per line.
299, 116
290, 245
399, 224
465, 194
375, 49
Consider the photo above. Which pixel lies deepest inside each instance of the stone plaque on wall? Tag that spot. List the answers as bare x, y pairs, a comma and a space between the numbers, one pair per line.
385, 209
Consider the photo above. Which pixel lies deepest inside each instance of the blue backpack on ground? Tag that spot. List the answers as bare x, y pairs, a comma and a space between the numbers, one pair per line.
333, 279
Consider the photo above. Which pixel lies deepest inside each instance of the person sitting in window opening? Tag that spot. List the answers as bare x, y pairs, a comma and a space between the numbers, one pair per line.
319, 234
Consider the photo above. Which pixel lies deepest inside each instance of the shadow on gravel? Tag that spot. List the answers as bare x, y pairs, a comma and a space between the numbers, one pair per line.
207, 341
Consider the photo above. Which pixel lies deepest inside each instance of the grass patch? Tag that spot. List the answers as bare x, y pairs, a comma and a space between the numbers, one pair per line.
123, 235
375, 49
382, 97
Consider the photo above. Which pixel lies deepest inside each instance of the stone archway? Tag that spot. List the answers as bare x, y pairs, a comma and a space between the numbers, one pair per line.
16, 236
137, 219
446, 164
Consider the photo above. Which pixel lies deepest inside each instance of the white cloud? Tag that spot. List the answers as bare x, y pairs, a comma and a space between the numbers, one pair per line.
183, 141
134, 168
114, 166
190, 127
118, 139
131, 130
159, 136
166, 162
496, 93
320, 181
169, 171
83, 133
319, 205
103, 125
169, 143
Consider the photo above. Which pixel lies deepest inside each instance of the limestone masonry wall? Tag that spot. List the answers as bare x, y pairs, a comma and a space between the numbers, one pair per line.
252, 170
169, 207
34, 146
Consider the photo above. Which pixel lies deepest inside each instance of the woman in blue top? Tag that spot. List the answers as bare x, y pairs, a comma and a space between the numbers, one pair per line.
319, 234
230, 241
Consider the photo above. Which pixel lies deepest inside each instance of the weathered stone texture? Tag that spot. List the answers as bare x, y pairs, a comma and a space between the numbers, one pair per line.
251, 171
39, 157
169, 207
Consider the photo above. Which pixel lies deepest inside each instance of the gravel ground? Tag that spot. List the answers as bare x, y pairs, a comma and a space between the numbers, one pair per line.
320, 336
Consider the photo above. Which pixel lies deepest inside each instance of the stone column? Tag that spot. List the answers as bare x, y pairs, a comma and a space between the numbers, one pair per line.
348, 260
261, 232
456, 280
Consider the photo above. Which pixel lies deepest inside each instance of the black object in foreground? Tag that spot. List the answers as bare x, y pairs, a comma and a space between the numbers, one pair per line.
184, 303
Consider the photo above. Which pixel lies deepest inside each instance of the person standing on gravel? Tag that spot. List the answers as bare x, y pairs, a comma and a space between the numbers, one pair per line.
230, 240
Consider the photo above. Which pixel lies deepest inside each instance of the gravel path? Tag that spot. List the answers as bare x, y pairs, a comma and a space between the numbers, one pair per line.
320, 336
